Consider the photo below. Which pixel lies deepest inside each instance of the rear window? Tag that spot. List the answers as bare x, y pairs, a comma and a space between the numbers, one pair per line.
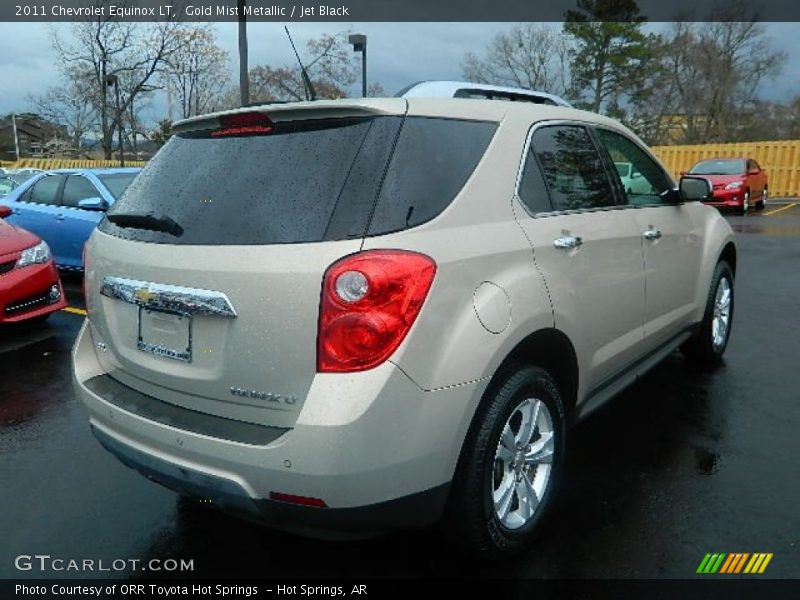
307, 181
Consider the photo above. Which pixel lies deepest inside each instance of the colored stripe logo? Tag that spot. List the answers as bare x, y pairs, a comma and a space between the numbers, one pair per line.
733, 563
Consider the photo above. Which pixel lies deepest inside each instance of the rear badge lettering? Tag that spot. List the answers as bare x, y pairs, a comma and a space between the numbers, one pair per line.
257, 395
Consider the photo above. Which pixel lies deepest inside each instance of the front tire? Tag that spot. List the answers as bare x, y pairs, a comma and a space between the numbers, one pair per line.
510, 464
709, 343
745, 203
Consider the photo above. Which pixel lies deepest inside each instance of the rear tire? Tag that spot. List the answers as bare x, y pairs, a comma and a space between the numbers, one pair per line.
510, 465
709, 343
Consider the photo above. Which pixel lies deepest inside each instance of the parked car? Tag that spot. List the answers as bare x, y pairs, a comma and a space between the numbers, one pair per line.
392, 310
633, 182
30, 288
6, 185
64, 206
737, 182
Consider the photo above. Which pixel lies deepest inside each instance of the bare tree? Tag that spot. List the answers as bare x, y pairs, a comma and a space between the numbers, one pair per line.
718, 69
331, 70
197, 72
66, 105
136, 52
530, 55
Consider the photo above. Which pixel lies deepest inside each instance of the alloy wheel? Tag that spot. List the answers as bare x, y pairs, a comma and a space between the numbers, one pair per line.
523, 463
720, 323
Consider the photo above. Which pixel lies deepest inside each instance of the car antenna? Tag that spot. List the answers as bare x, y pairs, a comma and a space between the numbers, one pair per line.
311, 93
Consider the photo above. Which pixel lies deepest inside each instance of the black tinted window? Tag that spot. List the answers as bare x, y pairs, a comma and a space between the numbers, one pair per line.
45, 190
532, 188
76, 189
572, 168
282, 187
641, 178
431, 163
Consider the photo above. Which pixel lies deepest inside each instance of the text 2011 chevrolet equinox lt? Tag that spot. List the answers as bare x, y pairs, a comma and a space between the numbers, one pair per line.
360, 315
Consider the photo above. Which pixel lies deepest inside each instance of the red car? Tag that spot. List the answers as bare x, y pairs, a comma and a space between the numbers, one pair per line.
30, 287
738, 182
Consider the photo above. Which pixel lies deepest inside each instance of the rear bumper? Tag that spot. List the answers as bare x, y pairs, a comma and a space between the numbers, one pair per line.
410, 511
26, 293
379, 451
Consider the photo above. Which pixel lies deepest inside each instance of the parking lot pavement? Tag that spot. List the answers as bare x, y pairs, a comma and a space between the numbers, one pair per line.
684, 463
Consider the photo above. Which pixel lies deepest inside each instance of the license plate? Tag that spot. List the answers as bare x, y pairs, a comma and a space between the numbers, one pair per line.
164, 333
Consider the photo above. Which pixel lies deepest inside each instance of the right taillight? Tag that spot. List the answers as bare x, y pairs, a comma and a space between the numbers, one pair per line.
369, 302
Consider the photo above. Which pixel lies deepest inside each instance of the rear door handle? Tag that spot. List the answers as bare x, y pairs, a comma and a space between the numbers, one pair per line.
567, 241
652, 234
60, 217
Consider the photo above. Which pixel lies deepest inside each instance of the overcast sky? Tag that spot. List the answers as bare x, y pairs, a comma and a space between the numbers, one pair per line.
398, 54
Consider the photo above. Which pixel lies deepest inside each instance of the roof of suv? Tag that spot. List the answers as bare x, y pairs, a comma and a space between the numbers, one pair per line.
477, 91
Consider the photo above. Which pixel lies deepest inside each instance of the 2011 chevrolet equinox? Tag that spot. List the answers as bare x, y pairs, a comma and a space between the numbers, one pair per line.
359, 315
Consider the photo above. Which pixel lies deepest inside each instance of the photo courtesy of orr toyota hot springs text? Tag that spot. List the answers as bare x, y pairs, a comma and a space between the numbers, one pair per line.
371, 298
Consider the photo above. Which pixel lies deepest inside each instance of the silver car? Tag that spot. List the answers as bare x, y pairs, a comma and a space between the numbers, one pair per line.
391, 310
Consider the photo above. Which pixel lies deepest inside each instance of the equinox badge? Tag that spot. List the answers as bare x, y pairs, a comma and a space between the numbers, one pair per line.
242, 393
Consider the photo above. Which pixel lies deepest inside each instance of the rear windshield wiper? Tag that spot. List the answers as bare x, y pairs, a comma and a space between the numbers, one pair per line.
146, 220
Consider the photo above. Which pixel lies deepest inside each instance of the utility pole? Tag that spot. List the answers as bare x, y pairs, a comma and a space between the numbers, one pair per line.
244, 78
16, 138
114, 80
103, 104
359, 42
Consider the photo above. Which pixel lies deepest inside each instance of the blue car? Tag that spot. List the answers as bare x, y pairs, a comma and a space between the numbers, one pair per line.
65, 205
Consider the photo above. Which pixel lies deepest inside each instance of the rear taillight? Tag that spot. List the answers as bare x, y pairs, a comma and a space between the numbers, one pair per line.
369, 302
242, 124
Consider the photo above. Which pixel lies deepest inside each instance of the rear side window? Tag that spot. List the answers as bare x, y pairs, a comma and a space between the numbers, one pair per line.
76, 189
306, 181
45, 191
431, 163
572, 168
532, 188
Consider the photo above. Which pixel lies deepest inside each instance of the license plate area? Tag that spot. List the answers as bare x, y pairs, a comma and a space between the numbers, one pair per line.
165, 333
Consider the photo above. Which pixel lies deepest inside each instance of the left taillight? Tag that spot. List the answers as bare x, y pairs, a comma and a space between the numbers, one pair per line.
369, 302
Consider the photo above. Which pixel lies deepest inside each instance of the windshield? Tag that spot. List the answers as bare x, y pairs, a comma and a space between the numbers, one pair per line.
718, 167
116, 183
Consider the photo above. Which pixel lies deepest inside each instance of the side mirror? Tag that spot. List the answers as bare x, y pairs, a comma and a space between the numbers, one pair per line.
93, 204
754, 171
682, 173
5, 212
694, 188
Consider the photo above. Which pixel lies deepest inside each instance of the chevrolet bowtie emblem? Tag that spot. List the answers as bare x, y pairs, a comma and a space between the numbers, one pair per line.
144, 295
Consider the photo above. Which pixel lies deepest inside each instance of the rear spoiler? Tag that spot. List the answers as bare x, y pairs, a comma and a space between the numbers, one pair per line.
295, 111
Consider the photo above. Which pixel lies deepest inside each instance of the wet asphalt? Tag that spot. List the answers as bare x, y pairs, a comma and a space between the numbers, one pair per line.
684, 463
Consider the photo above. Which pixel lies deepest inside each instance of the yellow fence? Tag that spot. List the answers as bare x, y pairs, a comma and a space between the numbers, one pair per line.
780, 159
66, 163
